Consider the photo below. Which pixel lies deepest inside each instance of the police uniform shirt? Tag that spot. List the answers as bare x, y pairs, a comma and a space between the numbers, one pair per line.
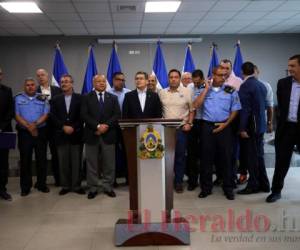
219, 103
31, 108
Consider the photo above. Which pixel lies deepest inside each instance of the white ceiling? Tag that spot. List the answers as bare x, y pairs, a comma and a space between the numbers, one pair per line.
101, 17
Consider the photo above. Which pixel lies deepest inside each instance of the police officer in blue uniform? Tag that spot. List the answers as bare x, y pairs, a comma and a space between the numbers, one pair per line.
253, 125
219, 107
31, 110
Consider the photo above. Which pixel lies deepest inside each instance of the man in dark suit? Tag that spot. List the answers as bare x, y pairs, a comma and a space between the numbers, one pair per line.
65, 115
100, 111
252, 128
141, 102
288, 125
6, 115
49, 91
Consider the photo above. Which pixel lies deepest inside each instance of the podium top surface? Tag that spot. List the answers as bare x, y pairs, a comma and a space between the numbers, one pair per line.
136, 122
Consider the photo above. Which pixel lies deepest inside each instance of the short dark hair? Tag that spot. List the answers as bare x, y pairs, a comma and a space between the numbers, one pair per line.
248, 68
116, 74
226, 61
67, 75
29, 79
295, 57
198, 73
215, 69
142, 73
174, 70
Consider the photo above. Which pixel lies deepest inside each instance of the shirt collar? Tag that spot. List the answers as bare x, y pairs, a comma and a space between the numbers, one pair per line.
295, 81
98, 92
247, 77
141, 91
177, 90
42, 87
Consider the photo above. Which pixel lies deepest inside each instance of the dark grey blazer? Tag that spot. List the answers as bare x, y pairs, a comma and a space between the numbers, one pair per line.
91, 116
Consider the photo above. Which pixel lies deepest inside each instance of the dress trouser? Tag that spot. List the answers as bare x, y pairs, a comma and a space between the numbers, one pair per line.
284, 145
107, 154
252, 150
54, 154
27, 144
180, 155
69, 157
3, 169
193, 153
216, 145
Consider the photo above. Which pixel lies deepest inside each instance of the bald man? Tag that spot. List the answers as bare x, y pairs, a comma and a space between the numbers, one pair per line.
100, 111
49, 92
186, 79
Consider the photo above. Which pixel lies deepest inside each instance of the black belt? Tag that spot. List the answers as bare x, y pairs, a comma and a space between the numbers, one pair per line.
212, 123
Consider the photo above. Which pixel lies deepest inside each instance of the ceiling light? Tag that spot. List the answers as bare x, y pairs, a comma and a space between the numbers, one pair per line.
165, 6
21, 7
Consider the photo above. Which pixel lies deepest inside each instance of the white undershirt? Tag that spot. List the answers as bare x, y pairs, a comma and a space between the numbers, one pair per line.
142, 94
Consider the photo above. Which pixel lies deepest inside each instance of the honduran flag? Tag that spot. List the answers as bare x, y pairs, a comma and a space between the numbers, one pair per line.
91, 71
159, 68
113, 66
59, 67
214, 61
238, 61
188, 65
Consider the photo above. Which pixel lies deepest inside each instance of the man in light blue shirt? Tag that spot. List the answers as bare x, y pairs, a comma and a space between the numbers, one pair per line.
119, 90
31, 114
220, 105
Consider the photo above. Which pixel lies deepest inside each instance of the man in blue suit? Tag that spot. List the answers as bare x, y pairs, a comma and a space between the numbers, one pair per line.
252, 128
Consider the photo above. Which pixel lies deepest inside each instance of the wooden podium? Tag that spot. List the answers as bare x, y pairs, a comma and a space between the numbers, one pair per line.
150, 150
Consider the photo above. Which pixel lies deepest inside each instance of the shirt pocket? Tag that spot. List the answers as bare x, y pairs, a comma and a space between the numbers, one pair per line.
40, 105
225, 102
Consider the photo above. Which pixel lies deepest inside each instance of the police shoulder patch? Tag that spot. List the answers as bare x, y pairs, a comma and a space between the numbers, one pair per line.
229, 89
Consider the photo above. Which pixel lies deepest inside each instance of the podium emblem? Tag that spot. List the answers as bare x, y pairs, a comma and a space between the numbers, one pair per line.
150, 145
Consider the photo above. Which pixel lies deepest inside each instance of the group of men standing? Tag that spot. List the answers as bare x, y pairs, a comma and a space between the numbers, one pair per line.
223, 120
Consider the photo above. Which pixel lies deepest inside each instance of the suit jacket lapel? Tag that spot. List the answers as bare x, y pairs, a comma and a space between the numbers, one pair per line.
72, 103
63, 105
288, 94
148, 100
137, 101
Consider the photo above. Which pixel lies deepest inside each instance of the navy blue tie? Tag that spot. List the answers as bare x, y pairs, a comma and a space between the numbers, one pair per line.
101, 103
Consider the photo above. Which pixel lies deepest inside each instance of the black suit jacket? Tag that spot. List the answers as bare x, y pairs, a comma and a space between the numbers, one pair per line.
284, 88
91, 115
54, 92
6, 108
60, 118
132, 108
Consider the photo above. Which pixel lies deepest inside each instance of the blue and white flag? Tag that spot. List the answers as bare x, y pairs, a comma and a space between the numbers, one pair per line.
238, 61
91, 71
159, 68
113, 66
188, 65
214, 61
59, 67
